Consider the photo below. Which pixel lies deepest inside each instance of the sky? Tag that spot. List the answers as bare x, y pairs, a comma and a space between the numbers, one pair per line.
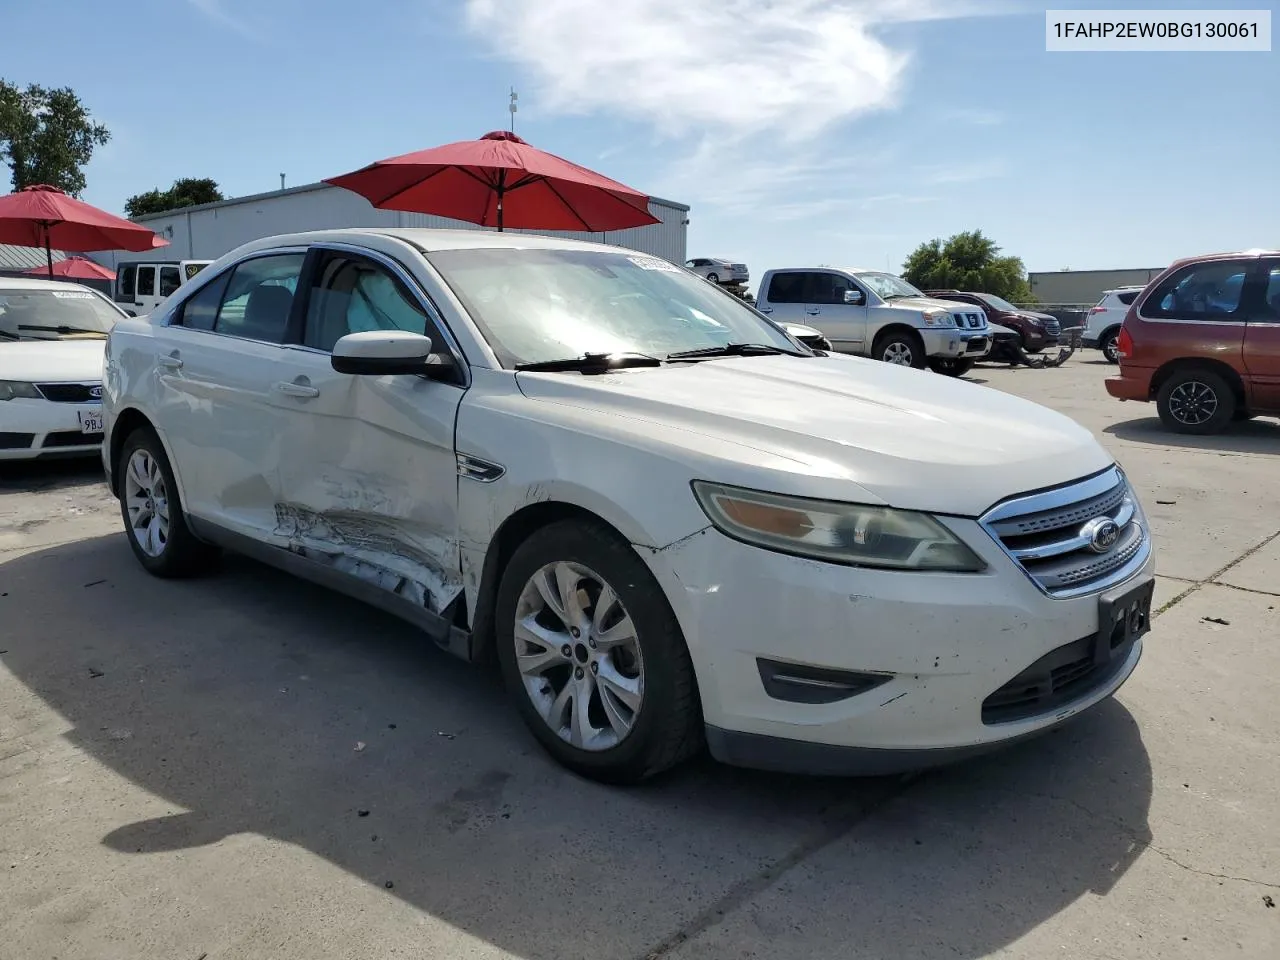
799, 131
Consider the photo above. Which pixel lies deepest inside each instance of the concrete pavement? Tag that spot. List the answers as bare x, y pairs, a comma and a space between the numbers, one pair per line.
179, 772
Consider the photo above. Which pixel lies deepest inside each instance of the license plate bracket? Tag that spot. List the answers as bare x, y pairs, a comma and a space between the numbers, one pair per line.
1123, 617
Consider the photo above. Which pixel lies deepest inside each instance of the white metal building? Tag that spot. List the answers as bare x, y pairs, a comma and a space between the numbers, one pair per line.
208, 231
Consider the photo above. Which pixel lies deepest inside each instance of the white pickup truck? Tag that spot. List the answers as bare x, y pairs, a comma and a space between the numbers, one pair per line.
878, 315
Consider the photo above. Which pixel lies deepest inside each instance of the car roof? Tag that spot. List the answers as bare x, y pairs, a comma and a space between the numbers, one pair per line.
1234, 255
27, 283
433, 240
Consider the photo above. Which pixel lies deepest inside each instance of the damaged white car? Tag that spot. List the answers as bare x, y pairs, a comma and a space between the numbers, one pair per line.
671, 522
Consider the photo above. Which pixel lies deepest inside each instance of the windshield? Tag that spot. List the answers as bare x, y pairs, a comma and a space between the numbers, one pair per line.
888, 287
998, 303
55, 315
538, 305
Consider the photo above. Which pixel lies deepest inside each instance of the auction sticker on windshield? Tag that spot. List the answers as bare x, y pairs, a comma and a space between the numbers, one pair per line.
653, 263
72, 295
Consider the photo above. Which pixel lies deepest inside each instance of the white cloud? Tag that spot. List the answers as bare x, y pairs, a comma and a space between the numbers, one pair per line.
737, 66
215, 11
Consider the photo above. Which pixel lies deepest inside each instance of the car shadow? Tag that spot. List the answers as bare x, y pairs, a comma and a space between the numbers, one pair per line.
259, 704
1250, 436
51, 473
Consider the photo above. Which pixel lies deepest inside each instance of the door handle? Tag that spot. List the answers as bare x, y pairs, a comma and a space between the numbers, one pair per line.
300, 390
765, 309
170, 363
813, 311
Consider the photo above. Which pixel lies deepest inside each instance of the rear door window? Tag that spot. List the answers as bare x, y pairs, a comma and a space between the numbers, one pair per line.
146, 281
170, 280
125, 283
259, 297
788, 287
1201, 291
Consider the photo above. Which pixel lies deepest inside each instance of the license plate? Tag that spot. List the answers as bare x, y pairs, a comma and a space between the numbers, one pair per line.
91, 421
1123, 617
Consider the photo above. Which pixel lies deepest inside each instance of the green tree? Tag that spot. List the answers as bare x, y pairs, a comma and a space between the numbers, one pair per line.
968, 261
47, 136
186, 192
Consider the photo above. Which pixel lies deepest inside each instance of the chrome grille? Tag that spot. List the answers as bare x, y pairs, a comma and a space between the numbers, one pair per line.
971, 321
1046, 534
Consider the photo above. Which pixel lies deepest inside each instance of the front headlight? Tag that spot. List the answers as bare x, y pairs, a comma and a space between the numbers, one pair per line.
17, 390
938, 318
847, 533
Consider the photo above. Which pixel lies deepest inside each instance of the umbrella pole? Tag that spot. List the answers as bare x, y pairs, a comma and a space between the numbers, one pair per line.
502, 188
48, 251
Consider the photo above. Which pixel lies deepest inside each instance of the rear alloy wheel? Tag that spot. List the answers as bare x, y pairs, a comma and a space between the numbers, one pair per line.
592, 653
1109, 346
900, 349
1196, 402
153, 517
950, 367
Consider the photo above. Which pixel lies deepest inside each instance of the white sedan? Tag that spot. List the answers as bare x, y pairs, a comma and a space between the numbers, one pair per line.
671, 522
51, 343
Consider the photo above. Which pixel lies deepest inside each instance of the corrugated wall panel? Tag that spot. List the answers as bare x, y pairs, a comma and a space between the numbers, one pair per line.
206, 233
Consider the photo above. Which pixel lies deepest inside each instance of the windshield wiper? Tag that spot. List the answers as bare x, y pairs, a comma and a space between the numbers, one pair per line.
733, 350
590, 363
61, 331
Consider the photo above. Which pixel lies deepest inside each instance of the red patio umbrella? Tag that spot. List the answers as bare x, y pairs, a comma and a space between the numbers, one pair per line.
496, 180
77, 268
44, 216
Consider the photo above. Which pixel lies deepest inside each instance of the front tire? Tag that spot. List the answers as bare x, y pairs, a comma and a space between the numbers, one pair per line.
1196, 401
713, 277
154, 521
593, 655
950, 367
901, 349
1109, 345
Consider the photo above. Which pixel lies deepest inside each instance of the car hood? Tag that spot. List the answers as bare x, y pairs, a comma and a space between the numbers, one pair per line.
38, 361
1032, 314
836, 427
933, 303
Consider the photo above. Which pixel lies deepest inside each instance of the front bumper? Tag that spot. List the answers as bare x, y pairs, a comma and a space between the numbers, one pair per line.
954, 344
31, 429
939, 645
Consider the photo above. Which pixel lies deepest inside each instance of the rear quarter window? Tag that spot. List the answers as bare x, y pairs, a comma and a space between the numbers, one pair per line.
1128, 298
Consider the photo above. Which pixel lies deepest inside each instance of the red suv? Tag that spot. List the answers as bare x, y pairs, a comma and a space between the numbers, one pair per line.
1203, 341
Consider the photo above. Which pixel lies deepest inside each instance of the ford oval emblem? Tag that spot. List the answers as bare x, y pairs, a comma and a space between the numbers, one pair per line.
95, 392
1102, 534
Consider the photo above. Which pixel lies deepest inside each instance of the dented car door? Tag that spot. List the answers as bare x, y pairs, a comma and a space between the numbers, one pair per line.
368, 478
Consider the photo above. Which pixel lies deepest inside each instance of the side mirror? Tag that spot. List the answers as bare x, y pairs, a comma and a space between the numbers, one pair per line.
855, 298
379, 352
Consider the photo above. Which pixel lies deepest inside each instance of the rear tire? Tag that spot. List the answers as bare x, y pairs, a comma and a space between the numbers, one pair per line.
154, 521
580, 623
950, 367
1196, 401
901, 349
1108, 344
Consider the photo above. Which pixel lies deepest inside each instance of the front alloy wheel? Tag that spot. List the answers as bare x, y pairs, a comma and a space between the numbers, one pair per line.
593, 655
579, 656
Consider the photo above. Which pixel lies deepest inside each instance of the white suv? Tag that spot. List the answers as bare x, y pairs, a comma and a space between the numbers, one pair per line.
1102, 327
670, 521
